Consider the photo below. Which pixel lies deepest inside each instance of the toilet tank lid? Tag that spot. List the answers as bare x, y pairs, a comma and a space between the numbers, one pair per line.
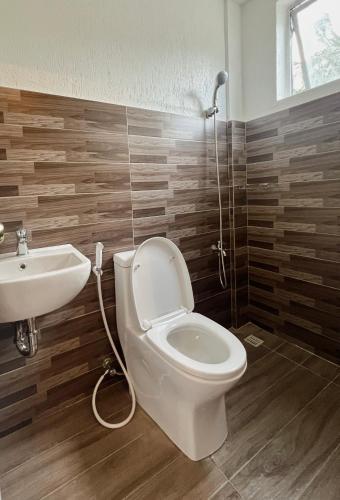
124, 259
160, 281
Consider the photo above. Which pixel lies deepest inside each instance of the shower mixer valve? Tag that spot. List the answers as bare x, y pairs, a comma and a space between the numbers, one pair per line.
219, 249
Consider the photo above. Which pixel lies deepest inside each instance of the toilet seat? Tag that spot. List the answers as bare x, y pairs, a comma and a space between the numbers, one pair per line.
215, 352
164, 301
160, 282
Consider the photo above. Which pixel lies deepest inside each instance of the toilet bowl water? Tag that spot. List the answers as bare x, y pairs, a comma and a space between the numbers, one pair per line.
195, 343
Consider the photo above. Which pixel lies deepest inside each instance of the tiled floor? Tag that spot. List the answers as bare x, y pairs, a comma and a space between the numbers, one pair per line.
284, 442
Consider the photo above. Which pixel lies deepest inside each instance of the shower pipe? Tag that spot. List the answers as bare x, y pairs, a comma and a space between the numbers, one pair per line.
221, 79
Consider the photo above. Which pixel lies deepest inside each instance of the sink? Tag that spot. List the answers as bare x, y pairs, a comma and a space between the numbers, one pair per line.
40, 282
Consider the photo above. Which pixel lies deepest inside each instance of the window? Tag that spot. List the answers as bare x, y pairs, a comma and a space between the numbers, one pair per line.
308, 43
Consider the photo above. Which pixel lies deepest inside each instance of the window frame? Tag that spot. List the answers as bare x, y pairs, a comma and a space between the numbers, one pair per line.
284, 76
295, 8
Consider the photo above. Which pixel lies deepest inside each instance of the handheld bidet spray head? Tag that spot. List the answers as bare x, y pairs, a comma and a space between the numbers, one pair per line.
97, 268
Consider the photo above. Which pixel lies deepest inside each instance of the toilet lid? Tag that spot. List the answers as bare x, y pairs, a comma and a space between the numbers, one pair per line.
160, 281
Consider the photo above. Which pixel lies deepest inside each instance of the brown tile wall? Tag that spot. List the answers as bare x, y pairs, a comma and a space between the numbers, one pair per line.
293, 176
74, 171
238, 221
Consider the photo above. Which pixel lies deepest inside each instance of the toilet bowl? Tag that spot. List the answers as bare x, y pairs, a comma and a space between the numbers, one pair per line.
181, 363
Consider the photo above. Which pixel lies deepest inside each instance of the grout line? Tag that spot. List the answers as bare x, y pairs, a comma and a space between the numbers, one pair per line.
277, 433
92, 466
220, 487
247, 212
209, 142
280, 183
237, 491
228, 481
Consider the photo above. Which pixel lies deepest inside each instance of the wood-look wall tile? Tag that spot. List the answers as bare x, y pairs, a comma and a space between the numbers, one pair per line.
65, 174
38, 144
174, 151
145, 177
39, 109
149, 123
293, 212
44, 178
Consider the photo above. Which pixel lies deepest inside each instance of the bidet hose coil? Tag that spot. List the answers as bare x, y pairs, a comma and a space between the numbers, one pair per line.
108, 425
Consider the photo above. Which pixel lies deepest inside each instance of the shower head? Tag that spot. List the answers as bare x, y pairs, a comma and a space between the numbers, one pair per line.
221, 79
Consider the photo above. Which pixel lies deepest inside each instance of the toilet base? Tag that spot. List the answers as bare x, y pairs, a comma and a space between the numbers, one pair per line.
198, 431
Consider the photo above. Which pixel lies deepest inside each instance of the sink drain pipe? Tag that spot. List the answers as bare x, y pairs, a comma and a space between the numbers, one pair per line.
26, 337
97, 270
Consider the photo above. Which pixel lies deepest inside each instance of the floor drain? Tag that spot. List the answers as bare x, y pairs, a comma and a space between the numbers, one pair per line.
253, 340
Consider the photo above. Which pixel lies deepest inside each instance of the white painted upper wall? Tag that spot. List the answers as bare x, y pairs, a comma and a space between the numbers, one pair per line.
234, 59
259, 63
156, 54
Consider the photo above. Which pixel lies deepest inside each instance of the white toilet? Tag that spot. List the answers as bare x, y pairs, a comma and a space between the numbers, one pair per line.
181, 363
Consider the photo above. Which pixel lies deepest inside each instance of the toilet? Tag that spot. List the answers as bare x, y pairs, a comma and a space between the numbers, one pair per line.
181, 363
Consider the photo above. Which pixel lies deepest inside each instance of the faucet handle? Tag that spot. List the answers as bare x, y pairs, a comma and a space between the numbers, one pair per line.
2, 232
22, 234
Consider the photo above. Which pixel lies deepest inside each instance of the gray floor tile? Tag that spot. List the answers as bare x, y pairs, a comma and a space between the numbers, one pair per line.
284, 468
322, 367
293, 352
253, 425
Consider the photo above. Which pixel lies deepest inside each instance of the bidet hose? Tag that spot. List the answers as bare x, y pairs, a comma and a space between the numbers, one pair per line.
101, 378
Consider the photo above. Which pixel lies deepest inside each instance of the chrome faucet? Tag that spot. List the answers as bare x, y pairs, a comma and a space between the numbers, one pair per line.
22, 237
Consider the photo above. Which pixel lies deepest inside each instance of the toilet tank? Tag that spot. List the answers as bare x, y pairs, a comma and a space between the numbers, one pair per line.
125, 309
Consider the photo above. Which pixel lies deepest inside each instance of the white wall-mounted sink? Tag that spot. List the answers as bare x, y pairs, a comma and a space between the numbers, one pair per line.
40, 282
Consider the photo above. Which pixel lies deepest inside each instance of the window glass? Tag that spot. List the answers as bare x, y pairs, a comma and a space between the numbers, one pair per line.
315, 43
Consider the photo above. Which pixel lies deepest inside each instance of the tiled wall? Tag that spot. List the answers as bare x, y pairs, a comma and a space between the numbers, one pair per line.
294, 222
74, 171
238, 222
80, 172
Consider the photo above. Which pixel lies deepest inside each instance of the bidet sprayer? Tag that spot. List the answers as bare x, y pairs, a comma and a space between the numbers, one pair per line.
97, 268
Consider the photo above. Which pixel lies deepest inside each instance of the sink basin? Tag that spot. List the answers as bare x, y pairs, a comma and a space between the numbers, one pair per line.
40, 282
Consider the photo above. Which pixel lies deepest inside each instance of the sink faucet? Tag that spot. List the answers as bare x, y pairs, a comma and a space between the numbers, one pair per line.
22, 248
